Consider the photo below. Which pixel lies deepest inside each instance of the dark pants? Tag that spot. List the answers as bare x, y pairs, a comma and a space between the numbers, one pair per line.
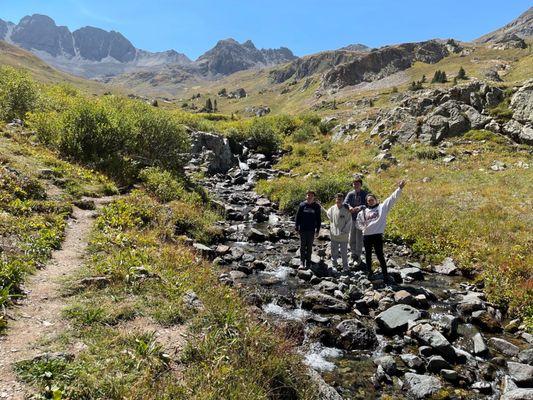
306, 246
375, 242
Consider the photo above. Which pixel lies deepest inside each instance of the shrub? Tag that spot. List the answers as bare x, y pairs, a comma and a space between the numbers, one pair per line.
162, 184
304, 134
262, 137
18, 94
427, 153
47, 125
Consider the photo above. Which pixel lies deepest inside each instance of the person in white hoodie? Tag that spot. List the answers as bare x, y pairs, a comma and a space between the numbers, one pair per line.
339, 229
372, 221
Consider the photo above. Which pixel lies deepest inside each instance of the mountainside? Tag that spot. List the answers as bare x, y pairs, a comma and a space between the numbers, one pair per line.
229, 56
88, 51
521, 27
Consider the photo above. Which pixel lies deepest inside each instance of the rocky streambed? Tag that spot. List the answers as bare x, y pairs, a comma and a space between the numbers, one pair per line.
432, 333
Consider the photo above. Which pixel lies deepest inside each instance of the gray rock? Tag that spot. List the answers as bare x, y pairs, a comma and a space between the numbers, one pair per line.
447, 267
480, 348
522, 374
388, 364
214, 150
486, 321
396, 318
436, 363
413, 273
477, 120
504, 347
518, 394
448, 325
482, 387
320, 302
325, 391
413, 361
256, 235
526, 356
355, 335
449, 374
191, 299
428, 335
522, 103
422, 386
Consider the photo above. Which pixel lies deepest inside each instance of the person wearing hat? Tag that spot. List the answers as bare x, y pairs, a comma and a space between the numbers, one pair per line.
308, 221
355, 202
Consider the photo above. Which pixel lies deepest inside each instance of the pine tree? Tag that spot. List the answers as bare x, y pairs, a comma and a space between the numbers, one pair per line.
436, 77
208, 105
215, 106
462, 74
443, 78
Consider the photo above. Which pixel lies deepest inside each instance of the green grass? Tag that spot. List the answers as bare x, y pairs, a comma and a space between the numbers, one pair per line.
227, 353
481, 218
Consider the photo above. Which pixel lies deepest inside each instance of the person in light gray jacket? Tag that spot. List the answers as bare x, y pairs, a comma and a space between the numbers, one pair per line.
341, 222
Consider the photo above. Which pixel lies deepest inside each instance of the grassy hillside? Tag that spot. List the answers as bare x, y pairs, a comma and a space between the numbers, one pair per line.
16, 57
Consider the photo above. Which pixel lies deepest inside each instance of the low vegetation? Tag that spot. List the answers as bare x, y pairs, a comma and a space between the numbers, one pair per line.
153, 280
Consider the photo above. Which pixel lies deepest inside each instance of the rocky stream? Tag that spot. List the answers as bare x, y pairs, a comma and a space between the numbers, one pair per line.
431, 333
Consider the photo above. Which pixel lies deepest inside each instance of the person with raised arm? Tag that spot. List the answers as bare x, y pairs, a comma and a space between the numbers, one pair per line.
372, 221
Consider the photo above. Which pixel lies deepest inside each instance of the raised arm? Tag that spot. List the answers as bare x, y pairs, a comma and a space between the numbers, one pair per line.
389, 201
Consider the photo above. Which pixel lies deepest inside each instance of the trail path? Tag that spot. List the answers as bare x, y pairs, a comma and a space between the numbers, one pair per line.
38, 316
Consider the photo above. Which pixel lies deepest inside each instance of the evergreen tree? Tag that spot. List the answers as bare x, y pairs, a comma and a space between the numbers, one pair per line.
443, 78
215, 106
208, 105
436, 77
462, 74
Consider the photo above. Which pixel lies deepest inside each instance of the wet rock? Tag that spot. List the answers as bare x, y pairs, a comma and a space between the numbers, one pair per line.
320, 302
236, 275
412, 273
396, 318
471, 302
482, 387
355, 335
447, 267
480, 348
327, 286
426, 351
518, 394
448, 325
325, 391
222, 249
214, 150
305, 274
422, 386
436, 363
504, 347
404, 297
486, 321
413, 362
292, 330
428, 335
259, 265
388, 364
522, 374
256, 235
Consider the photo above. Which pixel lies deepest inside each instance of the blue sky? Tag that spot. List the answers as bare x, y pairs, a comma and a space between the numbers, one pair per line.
305, 26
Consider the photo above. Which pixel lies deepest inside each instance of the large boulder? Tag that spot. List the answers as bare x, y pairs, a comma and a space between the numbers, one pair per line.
214, 151
320, 302
518, 394
355, 335
522, 103
422, 386
396, 318
522, 374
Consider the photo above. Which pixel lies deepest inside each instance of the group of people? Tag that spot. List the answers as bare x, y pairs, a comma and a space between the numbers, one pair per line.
356, 221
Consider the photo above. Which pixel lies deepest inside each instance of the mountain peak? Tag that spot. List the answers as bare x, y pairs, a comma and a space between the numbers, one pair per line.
249, 45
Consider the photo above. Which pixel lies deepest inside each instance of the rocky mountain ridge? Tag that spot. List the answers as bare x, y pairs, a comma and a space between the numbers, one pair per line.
93, 52
521, 27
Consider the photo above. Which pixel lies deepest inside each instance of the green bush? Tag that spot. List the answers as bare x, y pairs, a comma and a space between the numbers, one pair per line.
162, 184
304, 134
262, 137
18, 94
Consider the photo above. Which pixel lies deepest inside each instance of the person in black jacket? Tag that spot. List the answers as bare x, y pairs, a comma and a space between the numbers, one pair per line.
308, 220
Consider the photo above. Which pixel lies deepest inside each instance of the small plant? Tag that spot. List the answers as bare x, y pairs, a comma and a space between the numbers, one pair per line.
462, 74
439, 77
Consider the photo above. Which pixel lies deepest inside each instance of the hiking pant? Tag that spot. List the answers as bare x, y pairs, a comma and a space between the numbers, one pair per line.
375, 242
306, 246
356, 241
341, 247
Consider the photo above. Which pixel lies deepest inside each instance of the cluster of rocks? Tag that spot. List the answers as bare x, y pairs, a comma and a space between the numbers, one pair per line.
258, 111
430, 116
237, 94
210, 152
424, 333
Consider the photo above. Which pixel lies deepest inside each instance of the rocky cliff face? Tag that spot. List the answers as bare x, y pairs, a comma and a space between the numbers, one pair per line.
95, 44
229, 56
521, 27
